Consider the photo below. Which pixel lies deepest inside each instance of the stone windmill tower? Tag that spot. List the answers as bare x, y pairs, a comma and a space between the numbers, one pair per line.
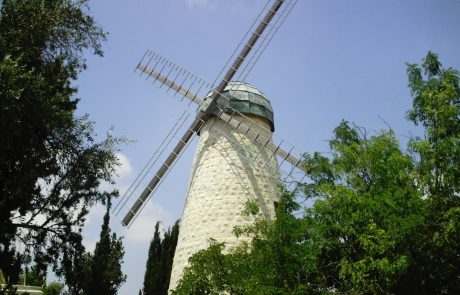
237, 159
223, 180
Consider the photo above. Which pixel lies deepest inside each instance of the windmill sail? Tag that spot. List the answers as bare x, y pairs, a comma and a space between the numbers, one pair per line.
288, 159
214, 106
183, 82
225, 116
136, 189
248, 47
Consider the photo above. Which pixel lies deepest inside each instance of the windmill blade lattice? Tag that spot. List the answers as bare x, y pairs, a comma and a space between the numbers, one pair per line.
173, 78
137, 195
288, 157
214, 104
278, 17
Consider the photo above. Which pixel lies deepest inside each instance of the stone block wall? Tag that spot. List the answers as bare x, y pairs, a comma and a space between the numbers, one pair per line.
228, 170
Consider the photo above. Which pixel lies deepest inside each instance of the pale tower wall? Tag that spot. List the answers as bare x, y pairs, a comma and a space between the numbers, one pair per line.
228, 170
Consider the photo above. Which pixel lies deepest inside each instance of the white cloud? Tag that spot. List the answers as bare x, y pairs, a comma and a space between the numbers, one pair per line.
141, 231
125, 169
89, 244
94, 218
95, 214
93, 226
142, 228
124, 172
123, 175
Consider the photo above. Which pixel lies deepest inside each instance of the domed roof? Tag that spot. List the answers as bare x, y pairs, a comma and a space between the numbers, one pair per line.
248, 100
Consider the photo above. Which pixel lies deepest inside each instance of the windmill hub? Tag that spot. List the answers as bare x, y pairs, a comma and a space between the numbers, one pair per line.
244, 98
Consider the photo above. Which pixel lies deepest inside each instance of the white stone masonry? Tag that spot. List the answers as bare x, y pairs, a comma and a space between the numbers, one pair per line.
228, 170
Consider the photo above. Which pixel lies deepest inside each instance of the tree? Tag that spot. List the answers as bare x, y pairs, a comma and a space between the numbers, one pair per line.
35, 276
368, 214
99, 272
77, 269
106, 276
436, 107
384, 220
53, 288
151, 282
51, 166
2, 278
160, 260
271, 264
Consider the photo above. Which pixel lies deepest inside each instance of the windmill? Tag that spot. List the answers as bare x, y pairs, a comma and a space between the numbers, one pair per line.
237, 157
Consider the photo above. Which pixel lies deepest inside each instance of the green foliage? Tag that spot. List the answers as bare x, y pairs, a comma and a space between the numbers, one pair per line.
383, 220
367, 213
436, 107
2, 278
53, 288
35, 276
77, 269
99, 272
51, 166
151, 280
160, 260
273, 263
106, 275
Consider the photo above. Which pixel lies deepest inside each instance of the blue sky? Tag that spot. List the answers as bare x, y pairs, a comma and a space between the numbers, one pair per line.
331, 60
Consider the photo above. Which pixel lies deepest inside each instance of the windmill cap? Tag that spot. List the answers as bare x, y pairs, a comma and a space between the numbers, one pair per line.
248, 100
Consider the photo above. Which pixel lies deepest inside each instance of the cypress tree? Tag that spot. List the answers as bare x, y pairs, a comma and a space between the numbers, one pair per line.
106, 275
151, 283
160, 259
98, 272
